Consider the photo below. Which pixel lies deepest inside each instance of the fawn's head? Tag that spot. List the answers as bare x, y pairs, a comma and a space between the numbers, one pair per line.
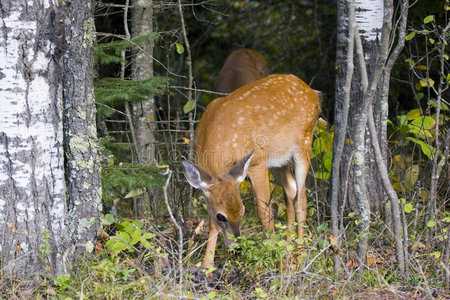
224, 203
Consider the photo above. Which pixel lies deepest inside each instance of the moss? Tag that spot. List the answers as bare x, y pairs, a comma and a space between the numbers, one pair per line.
89, 32
358, 158
89, 165
78, 145
89, 247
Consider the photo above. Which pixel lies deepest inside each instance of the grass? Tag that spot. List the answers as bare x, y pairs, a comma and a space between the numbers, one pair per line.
134, 262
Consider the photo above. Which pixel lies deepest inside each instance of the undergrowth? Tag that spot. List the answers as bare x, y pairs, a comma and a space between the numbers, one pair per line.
135, 261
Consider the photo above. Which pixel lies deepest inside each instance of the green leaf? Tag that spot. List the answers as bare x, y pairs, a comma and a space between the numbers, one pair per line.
408, 208
318, 145
411, 175
108, 219
433, 104
410, 35
431, 41
189, 106
327, 160
180, 48
428, 150
402, 120
419, 96
431, 223
410, 62
428, 19
124, 236
424, 122
323, 175
136, 237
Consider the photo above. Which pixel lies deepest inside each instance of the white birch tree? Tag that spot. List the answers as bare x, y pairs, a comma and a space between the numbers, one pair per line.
359, 177
42, 221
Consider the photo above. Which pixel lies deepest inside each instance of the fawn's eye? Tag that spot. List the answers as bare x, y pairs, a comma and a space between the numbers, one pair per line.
221, 218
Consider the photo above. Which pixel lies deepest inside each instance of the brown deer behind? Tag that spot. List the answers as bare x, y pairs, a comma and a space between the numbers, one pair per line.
241, 67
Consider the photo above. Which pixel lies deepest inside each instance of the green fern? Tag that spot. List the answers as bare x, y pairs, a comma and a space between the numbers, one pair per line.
120, 180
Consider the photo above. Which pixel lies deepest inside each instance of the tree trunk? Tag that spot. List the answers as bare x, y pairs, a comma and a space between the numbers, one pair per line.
33, 208
38, 229
354, 180
80, 130
144, 112
357, 172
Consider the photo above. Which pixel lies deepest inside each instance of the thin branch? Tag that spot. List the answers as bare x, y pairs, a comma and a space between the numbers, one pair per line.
190, 79
175, 223
198, 90
122, 76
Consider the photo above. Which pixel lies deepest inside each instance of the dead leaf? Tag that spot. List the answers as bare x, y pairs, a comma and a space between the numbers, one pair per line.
12, 227
352, 263
51, 292
372, 261
199, 227
98, 247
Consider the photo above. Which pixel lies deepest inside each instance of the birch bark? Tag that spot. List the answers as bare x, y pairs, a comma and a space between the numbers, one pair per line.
32, 185
48, 205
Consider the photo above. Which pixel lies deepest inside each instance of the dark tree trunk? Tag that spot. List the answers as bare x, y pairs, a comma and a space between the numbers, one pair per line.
80, 130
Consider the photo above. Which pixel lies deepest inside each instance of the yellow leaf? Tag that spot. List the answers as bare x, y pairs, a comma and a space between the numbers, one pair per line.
322, 124
348, 141
424, 195
436, 254
162, 166
420, 67
411, 175
397, 186
150, 117
48, 268
413, 114
244, 187
186, 141
426, 82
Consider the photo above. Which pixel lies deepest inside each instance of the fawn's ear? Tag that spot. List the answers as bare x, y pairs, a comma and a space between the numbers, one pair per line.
240, 169
196, 176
